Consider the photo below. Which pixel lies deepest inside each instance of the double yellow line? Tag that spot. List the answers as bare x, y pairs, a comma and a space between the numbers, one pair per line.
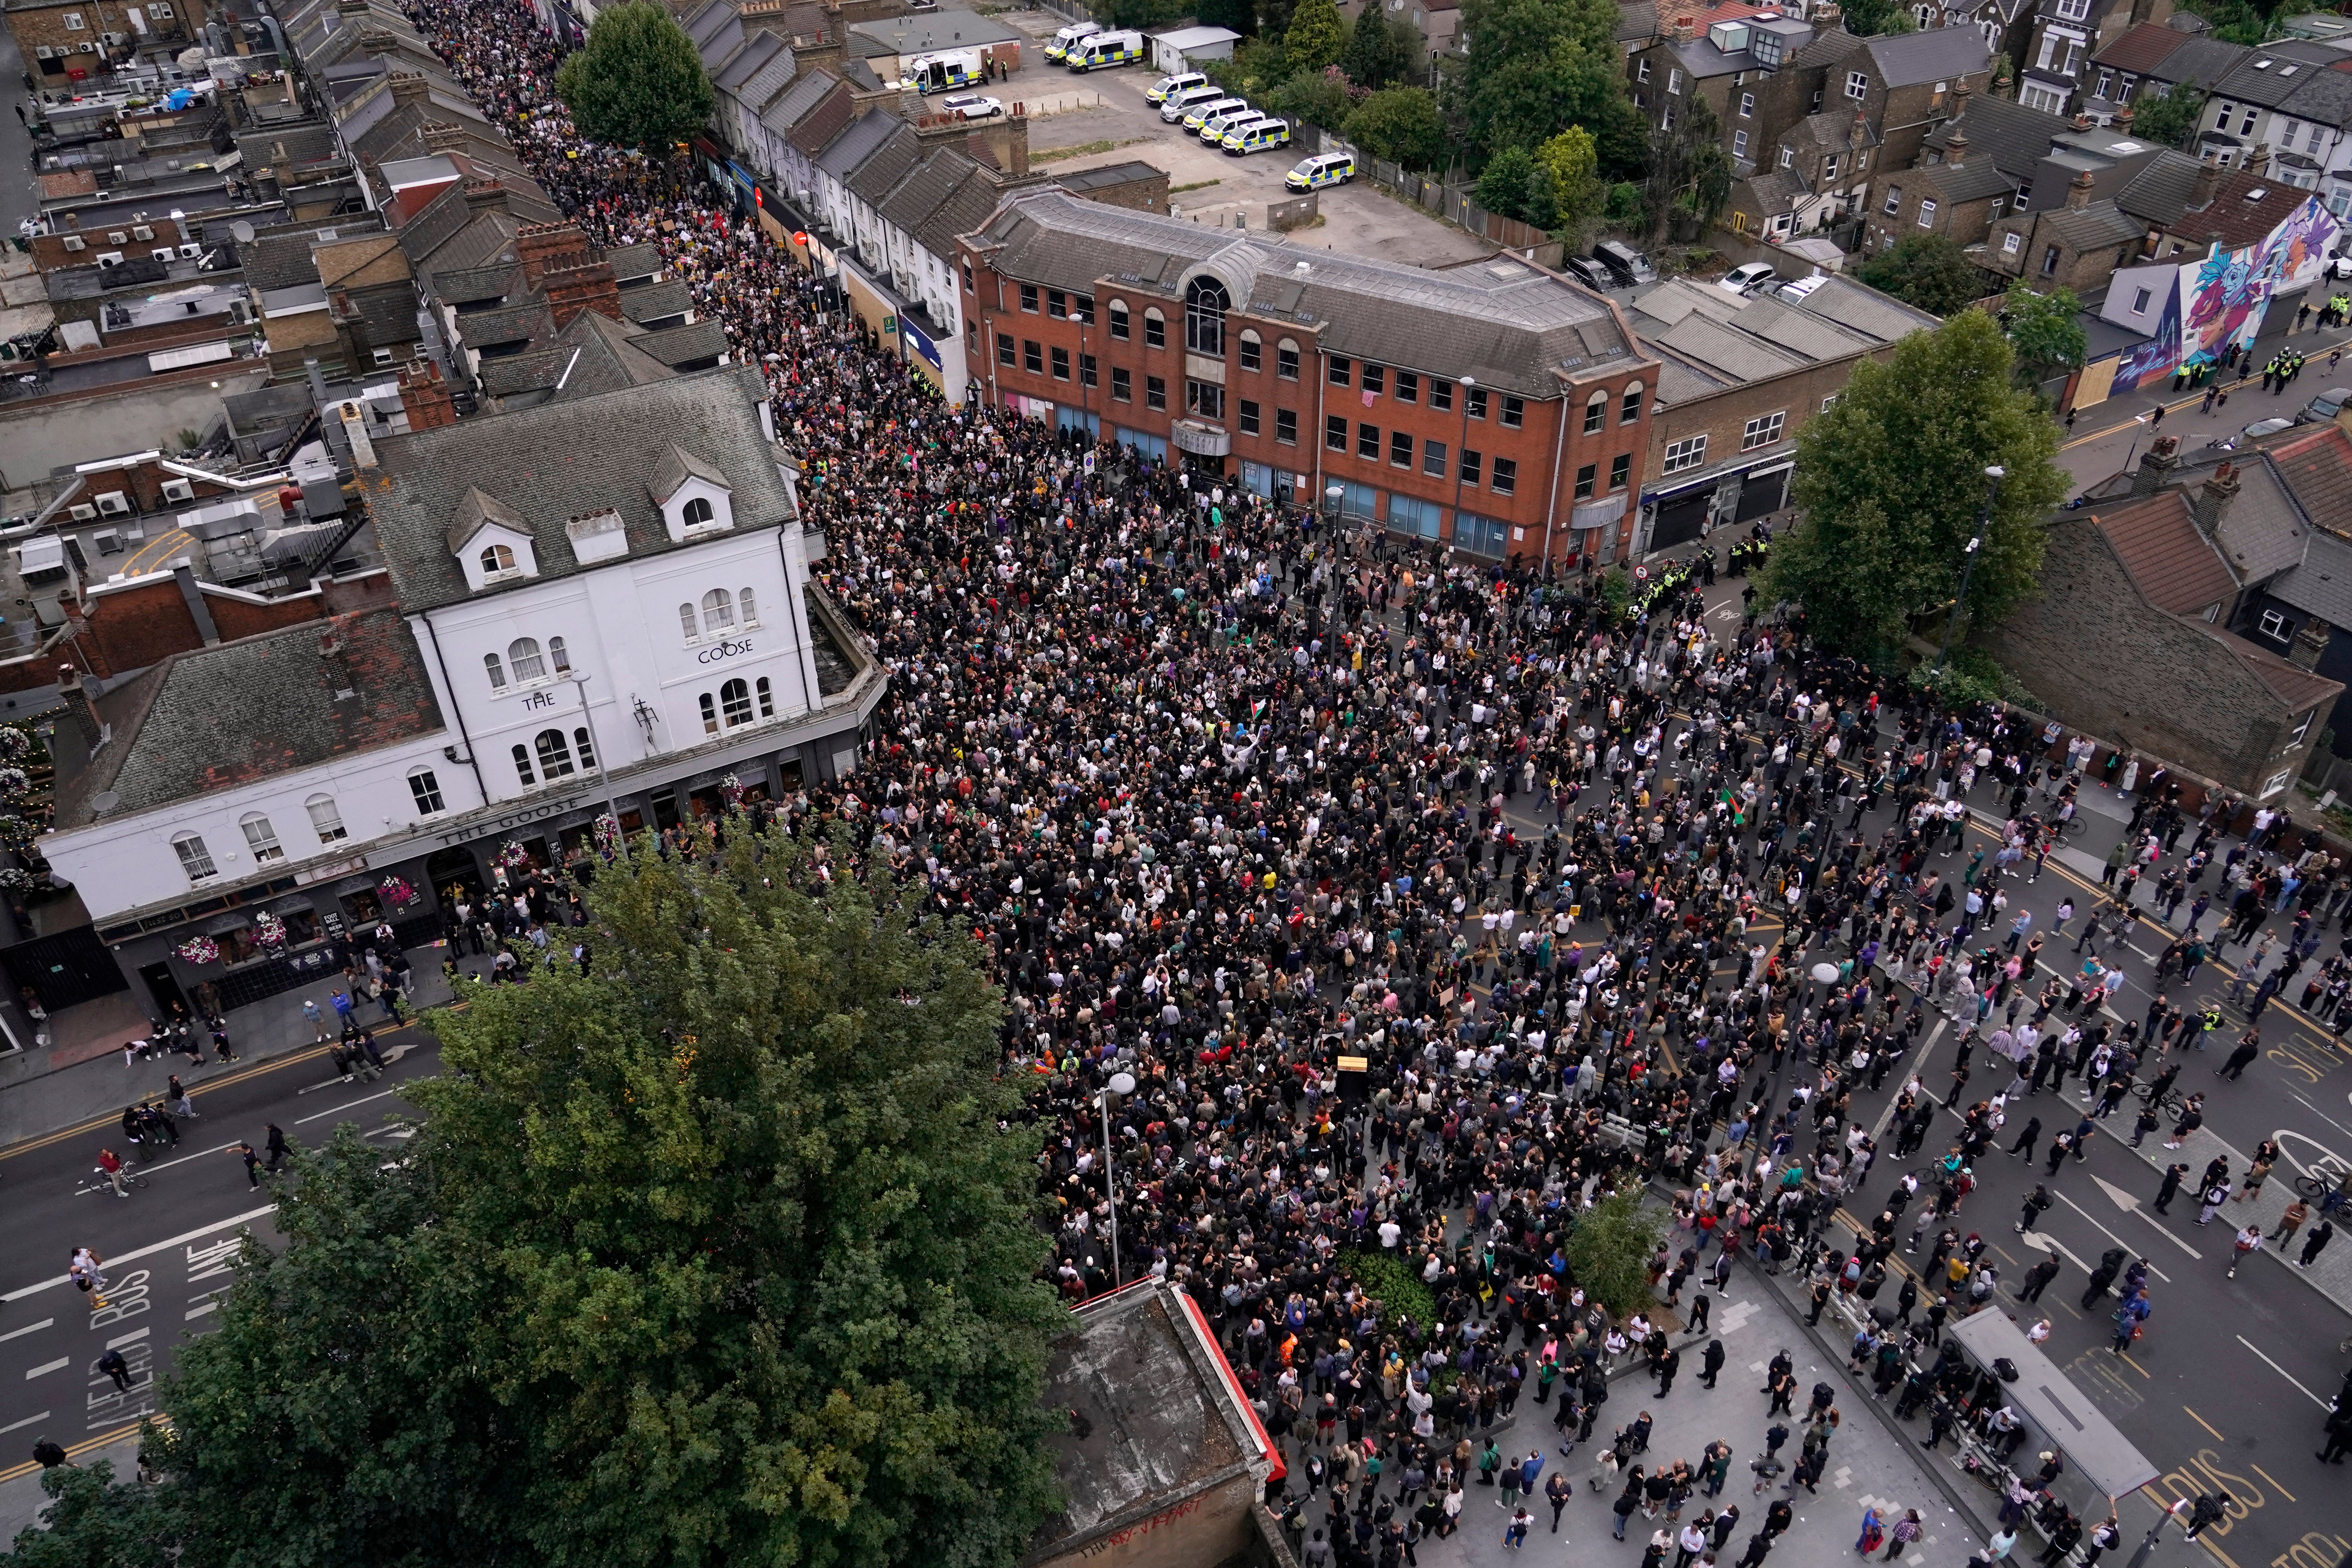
86, 1446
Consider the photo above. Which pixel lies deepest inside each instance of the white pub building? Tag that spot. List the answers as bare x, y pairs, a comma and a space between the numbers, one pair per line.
603, 600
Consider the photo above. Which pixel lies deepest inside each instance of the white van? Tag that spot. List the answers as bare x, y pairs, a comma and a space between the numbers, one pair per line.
1222, 118
1200, 112
1255, 136
1159, 90
1106, 50
1177, 105
1059, 47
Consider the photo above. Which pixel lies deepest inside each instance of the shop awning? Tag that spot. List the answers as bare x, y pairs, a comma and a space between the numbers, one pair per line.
2091, 1443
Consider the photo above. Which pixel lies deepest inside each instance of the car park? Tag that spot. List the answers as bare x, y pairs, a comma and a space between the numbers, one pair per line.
1747, 279
1197, 114
1157, 93
1323, 169
1057, 49
1179, 104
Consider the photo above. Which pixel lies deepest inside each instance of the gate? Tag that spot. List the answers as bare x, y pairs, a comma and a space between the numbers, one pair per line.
65, 968
1681, 519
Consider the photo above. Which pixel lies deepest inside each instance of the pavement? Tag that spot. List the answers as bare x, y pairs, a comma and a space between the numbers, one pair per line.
23, 1503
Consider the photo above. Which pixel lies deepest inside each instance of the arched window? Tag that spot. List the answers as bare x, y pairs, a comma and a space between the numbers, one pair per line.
1630, 409
1119, 320
522, 766
1205, 304
718, 610
557, 657
1252, 350
587, 747
498, 671
195, 859
710, 714
696, 513
767, 698
735, 698
498, 558
522, 654
1596, 412
326, 821
554, 755
1155, 328
744, 606
686, 620
261, 838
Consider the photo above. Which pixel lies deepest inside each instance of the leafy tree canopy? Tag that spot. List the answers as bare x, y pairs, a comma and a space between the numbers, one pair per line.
1566, 169
1315, 35
1534, 69
721, 1253
1320, 98
1889, 479
1928, 270
2168, 118
1609, 1250
1380, 51
1400, 124
1508, 182
1688, 167
2046, 330
638, 82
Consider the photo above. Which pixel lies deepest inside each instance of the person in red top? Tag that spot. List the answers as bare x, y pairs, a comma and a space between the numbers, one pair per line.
110, 1164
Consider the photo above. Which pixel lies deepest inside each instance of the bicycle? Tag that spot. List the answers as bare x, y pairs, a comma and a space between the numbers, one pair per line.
131, 1176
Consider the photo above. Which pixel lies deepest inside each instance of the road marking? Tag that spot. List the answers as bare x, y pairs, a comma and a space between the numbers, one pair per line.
2111, 1235
164, 1245
47, 1367
2042, 1243
76, 1450
132, 1338
2130, 1205
192, 1315
2274, 1481
2127, 1361
27, 1329
2207, 1424
2285, 1374
28, 1420
338, 1110
165, 1165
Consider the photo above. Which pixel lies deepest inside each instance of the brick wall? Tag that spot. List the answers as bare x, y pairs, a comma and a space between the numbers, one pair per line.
2103, 661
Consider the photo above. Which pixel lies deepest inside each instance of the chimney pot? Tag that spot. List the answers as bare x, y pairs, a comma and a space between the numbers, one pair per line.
2078, 190
2310, 644
2214, 497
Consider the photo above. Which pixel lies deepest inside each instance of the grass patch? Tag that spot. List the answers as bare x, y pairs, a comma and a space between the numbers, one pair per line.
1083, 150
1195, 185
1397, 1288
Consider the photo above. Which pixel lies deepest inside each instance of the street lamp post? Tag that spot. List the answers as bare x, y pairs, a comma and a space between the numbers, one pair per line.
1993, 476
1121, 1084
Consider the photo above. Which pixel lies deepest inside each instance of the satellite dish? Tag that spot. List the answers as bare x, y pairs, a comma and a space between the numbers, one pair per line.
241, 231
104, 801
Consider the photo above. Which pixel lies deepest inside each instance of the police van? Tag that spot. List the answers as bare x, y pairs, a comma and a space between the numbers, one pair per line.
1177, 105
1224, 117
1321, 170
944, 71
1059, 47
1200, 112
1106, 50
1255, 135
1159, 90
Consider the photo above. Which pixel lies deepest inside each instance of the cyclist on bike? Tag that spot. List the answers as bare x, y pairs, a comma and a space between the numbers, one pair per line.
110, 1164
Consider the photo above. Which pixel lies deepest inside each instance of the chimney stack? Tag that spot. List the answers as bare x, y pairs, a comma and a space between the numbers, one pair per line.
78, 703
2156, 466
2310, 644
2078, 190
1955, 150
2213, 500
2209, 177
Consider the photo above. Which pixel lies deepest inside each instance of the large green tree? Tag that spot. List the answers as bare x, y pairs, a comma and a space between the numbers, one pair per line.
723, 1253
1400, 124
1533, 68
637, 82
1317, 35
2045, 330
1564, 168
1928, 270
1508, 182
2168, 118
1380, 51
1889, 479
1688, 167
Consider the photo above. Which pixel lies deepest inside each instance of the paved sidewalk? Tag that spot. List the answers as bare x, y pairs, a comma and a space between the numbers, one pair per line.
266, 1031
23, 1503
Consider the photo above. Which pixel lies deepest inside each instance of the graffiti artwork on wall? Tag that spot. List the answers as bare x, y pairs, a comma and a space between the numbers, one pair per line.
2218, 302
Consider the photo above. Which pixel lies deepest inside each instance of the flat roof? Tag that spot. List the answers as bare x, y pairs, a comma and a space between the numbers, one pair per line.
2091, 1442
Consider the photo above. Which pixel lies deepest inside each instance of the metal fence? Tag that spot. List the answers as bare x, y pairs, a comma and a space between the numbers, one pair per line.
1458, 205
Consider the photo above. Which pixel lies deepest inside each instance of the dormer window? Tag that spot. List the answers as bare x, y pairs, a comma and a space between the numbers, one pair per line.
491, 541
496, 561
694, 497
697, 514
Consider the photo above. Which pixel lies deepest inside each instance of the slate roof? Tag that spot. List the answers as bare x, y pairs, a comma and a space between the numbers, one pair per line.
819, 123
2325, 96
218, 718
2141, 50
1969, 181
2262, 532
2201, 61
883, 168
769, 81
1940, 53
679, 346
965, 209
658, 301
2322, 586
803, 96
531, 320
568, 459
1833, 132
1507, 323
2296, 688
757, 50
2085, 229
854, 145
2247, 205
2274, 72
469, 284
2160, 193
2013, 136
634, 264
594, 353
2168, 559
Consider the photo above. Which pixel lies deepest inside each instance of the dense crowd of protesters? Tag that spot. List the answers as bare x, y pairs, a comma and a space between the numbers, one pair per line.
1229, 794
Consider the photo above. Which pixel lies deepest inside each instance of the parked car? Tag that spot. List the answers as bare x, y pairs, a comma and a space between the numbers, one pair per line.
972, 106
1798, 288
1629, 264
1199, 114
1323, 169
1183, 100
1591, 273
1745, 279
2324, 406
2255, 432
1256, 136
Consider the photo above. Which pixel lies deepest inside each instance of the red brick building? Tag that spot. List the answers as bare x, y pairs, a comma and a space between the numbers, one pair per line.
1495, 407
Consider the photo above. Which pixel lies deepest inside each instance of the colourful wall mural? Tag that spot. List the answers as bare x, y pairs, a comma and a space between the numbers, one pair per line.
2218, 302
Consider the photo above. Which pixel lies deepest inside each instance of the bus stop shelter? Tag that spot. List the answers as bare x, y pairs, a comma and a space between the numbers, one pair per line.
2063, 1415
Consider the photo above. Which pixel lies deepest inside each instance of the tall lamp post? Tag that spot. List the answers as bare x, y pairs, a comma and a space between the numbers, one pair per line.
1993, 476
1120, 1086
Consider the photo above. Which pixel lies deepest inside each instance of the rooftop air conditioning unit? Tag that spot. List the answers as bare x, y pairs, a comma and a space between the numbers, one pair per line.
89, 48
143, 232
116, 237
187, 252
75, 242
179, 490
84, 513
114, 503
162, 253
44, 51
109, 259
115, 40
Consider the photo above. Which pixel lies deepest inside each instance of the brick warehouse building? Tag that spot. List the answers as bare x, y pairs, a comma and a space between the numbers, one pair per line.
1494, 406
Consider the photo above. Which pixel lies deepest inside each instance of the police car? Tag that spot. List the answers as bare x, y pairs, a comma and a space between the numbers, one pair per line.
1323, 169
1157, 91
1255, 135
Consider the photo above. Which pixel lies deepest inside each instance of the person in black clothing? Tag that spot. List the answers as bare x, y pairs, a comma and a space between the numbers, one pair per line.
114, 1366
274, 1147
2170, 1188
48, 1454
1711, 1363
2036, 1278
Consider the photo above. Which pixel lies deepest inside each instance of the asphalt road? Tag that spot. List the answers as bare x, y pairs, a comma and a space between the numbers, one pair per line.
167, 1247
